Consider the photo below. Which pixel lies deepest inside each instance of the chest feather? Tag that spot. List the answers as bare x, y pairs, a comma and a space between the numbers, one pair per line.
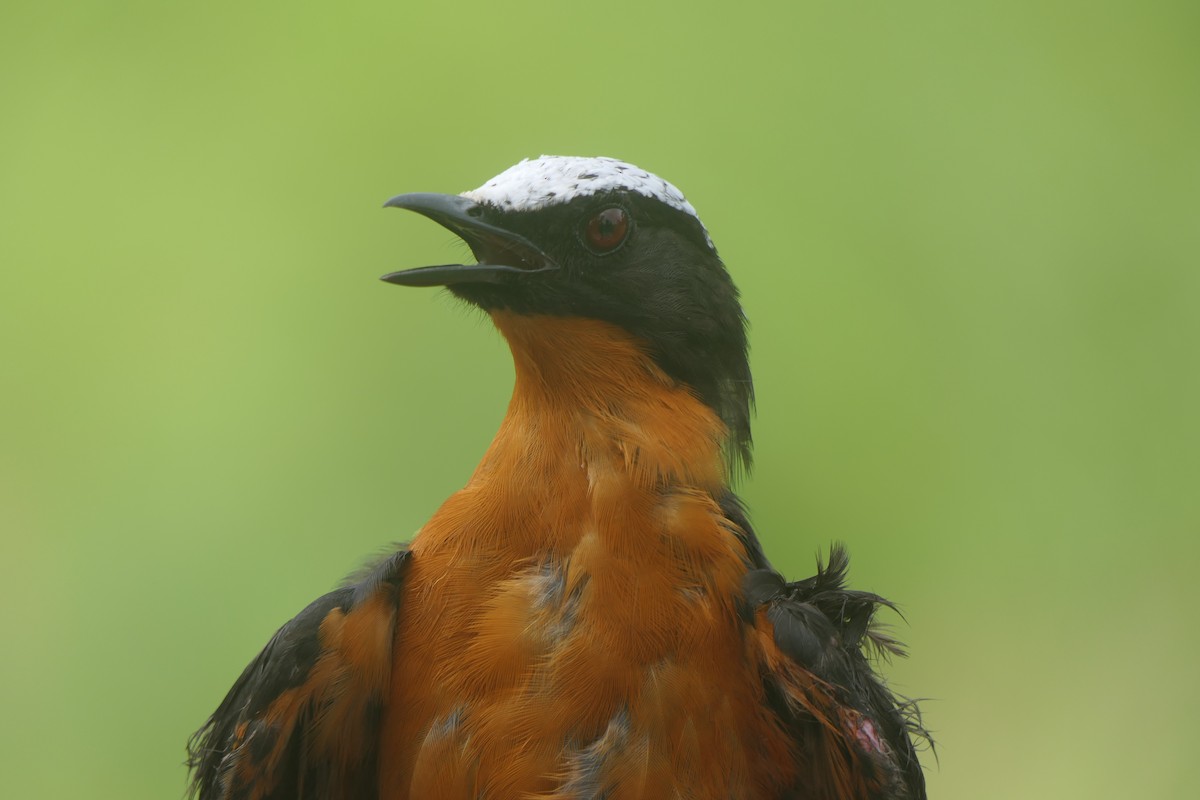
612, 665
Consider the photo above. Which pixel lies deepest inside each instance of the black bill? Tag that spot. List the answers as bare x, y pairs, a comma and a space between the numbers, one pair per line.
503, 255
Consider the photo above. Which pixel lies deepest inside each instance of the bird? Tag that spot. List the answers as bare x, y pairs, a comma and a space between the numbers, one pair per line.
592, 616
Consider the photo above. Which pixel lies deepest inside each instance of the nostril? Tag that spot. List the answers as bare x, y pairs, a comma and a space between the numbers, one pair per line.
475, 211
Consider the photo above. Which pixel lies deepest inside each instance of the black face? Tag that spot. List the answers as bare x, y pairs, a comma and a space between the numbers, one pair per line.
619, 257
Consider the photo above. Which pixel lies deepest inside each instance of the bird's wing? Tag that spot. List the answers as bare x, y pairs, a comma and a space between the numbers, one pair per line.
302, 721
854, 738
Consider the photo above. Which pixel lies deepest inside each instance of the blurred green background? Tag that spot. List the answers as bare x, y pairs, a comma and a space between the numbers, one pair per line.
968, 237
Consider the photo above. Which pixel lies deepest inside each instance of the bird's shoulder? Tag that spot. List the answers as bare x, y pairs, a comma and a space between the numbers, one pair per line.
853, 737
302, 720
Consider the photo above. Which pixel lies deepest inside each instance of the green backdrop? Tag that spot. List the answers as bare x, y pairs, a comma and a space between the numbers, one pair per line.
968, 237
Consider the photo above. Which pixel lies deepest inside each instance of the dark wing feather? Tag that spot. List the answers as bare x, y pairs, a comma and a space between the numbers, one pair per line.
302, 719
854, 739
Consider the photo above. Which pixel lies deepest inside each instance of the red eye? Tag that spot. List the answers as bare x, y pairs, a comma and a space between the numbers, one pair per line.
605, 231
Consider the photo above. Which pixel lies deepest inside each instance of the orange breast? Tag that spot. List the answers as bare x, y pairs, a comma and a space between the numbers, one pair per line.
569, 625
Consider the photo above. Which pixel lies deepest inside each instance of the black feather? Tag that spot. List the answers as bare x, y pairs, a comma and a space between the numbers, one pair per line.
826, 629
285, 663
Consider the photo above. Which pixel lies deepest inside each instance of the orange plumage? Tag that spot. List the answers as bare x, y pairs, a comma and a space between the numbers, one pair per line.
601, 602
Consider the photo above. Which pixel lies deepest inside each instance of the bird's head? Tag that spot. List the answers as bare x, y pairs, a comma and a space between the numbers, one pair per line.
601, 239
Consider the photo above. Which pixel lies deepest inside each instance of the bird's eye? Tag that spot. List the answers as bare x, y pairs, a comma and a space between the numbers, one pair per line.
606, 230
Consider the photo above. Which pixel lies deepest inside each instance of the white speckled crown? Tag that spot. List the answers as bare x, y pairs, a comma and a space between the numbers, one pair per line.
551, 180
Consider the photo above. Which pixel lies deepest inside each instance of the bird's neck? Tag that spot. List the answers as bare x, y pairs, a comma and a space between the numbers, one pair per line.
587, 392
593, 426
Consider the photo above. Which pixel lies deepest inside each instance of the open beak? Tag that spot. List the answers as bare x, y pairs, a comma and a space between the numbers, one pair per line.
503, 255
